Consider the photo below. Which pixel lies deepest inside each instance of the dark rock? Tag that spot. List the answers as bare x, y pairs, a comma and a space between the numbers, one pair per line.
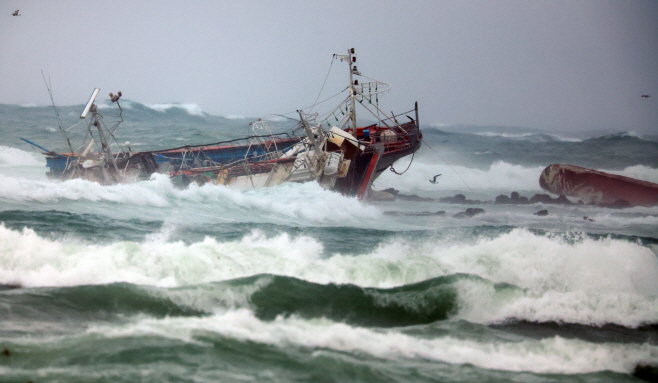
502, 199
470, 212
458, 198
542, 213
646, 372
563, 200
513, 199
392, 191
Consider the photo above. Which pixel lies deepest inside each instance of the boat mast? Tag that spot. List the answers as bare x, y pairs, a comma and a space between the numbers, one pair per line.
351, 58
105, 145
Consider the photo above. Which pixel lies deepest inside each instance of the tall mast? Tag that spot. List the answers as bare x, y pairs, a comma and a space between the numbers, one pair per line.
351, 60
353, 71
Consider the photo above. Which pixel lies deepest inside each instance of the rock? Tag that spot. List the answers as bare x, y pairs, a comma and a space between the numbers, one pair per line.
458, 198
542, 213
470, 212
646, 372
502, 199
563, 200
546, 199
514, 199
392, 191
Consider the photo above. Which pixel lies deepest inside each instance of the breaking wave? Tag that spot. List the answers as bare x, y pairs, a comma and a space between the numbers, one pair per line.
499, 177
550, 355
517, 275
12, 157
192, 109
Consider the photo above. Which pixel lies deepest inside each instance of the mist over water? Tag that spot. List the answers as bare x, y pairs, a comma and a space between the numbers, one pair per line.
150, 282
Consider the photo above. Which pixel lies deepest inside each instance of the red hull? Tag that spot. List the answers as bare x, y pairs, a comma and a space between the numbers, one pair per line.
598, 187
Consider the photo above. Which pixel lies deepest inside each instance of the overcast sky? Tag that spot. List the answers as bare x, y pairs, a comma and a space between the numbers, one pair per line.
551, 65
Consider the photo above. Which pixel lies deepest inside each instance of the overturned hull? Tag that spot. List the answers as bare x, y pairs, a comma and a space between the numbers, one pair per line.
597, 187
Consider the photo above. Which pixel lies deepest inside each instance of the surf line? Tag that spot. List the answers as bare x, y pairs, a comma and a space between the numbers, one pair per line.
444, 161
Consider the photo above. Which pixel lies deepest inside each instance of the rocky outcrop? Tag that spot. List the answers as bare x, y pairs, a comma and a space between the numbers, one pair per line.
546, 199
470, 212
460, 199
513, 199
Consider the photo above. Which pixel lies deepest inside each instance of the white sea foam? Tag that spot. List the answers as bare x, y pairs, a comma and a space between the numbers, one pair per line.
586, 281
46, 191
500, 176
107, 104
12, 157
589, 281
546, 356
639, 172
301, 204
531, 136
192, 109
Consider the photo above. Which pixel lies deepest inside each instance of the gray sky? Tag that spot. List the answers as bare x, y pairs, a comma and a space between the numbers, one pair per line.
556, 66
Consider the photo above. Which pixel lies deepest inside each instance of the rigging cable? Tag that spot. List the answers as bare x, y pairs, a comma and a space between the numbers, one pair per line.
59, 121
460, 177
333, 58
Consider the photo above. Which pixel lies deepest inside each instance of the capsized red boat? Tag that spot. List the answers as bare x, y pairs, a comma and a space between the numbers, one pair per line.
598, 187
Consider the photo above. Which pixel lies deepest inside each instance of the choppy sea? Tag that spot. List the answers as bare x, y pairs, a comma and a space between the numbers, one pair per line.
151, 283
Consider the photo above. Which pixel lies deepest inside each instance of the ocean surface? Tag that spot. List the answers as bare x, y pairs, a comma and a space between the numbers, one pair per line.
152, 283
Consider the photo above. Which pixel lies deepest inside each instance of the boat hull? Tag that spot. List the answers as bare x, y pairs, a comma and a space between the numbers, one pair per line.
598, 187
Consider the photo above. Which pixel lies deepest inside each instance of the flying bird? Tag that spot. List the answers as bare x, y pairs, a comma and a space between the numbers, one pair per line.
433, 180
645, 96
15, 13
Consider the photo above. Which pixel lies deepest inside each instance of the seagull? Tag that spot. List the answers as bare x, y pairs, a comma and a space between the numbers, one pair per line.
15, 13
433, 180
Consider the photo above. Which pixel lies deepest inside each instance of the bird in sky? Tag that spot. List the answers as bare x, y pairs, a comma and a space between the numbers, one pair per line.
433, 180
15, 13
645, 96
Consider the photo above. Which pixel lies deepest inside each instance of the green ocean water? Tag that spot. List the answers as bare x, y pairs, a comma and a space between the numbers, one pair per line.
151, 283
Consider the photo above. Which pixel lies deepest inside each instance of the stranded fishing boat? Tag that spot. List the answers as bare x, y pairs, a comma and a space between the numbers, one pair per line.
341, 157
